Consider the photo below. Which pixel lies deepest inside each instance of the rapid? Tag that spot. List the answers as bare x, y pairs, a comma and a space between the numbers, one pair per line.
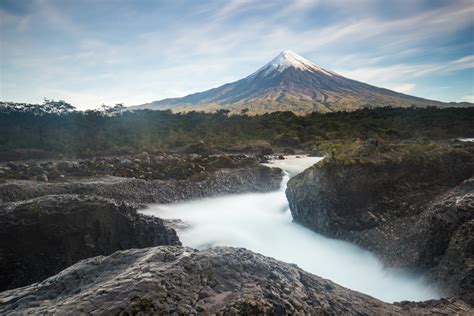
262, 222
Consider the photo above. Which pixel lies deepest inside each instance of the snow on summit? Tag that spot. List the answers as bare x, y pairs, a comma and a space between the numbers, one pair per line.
287, 59
290, 82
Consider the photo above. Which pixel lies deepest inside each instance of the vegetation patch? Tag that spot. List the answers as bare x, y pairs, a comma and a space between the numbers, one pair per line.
58, 129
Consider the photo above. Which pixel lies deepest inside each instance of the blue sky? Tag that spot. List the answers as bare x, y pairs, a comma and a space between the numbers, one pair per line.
110, 51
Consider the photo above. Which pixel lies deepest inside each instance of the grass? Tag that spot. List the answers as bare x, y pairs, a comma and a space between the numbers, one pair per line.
378, 151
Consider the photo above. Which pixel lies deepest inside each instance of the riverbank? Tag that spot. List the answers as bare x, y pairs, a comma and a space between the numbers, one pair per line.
145, 180
50, 225
182, 280
411, 204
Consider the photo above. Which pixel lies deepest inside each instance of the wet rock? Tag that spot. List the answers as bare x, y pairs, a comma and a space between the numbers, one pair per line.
262, 159
42, 236
167, 280
176, 224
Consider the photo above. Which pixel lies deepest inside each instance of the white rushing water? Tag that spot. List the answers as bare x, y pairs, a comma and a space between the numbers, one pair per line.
262, 222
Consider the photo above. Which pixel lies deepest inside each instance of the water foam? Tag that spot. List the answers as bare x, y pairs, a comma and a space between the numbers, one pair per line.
262, 222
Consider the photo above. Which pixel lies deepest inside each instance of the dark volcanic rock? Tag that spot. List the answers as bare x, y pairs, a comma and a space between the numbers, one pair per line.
42, 236
446, 238
356, 196
176, 280
143, 166
251, 179
405, 211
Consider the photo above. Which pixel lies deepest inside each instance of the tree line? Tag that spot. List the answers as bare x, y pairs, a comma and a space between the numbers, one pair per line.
57, 127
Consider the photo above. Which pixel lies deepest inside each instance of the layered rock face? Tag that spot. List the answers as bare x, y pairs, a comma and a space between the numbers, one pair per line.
42, 236
415, 213
226, 181
167, 280
446, 240
141, 166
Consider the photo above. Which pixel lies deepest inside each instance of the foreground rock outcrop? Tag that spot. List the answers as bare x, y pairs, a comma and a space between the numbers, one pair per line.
415, 211
42, 236
167, 280
256, 178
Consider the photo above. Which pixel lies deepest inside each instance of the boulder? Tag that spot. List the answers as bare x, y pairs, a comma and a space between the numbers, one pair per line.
224, 281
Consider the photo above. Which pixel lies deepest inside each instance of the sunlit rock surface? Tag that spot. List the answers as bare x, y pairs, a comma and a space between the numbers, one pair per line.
170, 279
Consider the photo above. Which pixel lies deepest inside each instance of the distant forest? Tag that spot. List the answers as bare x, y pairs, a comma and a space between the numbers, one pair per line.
57, 127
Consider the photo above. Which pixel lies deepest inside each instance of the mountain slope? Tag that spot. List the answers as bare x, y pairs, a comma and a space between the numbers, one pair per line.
291, 83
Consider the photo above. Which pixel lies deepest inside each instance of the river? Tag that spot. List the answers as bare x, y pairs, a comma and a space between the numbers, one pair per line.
262, 222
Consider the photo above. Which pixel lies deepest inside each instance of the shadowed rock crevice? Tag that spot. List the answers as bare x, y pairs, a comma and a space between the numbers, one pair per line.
44, 235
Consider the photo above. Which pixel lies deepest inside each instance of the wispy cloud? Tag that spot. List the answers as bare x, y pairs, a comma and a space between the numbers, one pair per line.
469, 98
403, 88
408, 71
99, 52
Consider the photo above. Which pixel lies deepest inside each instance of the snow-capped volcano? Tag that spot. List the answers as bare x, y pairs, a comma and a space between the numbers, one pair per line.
289, 59
290, 82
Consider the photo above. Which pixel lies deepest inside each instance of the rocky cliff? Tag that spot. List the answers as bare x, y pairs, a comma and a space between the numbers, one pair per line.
413, 211
42, 236
177, 280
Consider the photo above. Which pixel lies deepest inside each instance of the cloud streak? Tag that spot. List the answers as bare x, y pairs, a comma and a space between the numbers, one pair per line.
129, 52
